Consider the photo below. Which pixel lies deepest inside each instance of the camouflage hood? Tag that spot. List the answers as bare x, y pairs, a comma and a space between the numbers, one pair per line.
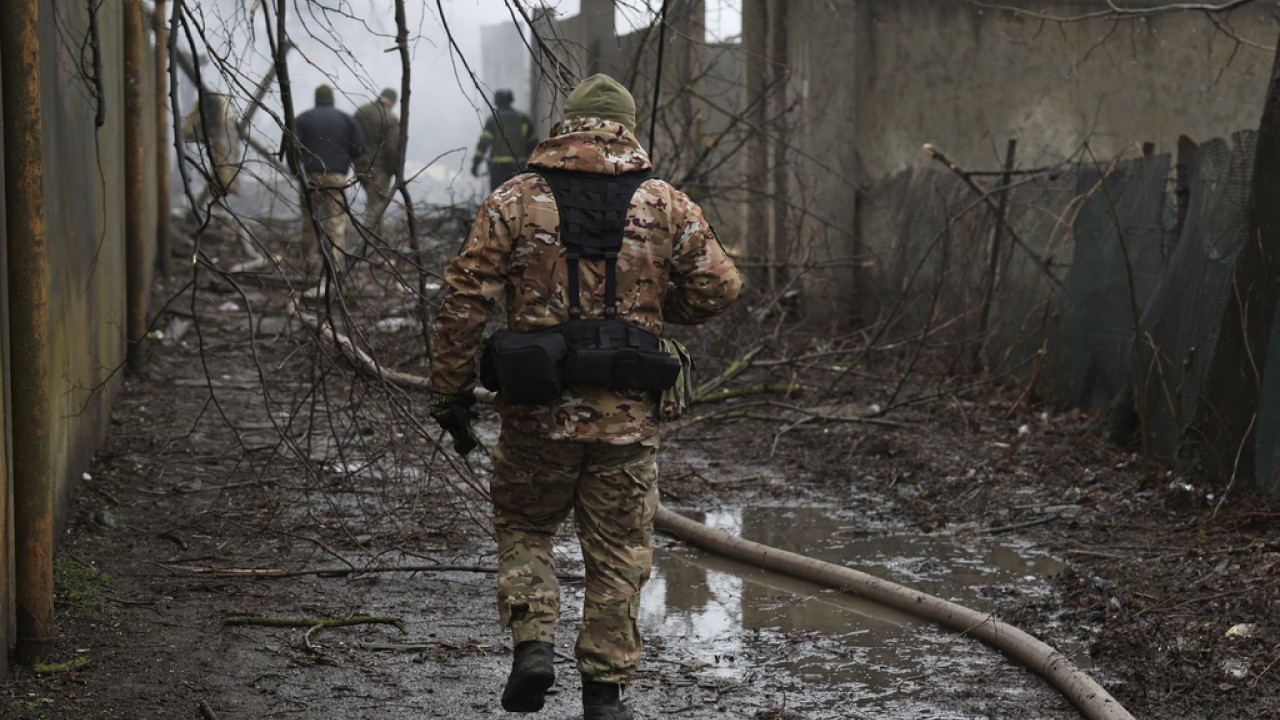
591, 145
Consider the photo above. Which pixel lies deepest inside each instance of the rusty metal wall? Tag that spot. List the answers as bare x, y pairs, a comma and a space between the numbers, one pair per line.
82, 108
6, 417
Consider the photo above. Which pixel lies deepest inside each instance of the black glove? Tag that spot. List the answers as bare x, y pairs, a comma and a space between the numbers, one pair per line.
475, 169
453, 413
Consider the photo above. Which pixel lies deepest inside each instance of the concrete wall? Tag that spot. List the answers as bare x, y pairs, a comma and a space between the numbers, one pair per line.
966, 79
701, 94
84, 181
873, 80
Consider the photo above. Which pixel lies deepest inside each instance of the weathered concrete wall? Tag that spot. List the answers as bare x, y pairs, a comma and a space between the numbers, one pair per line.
701, 94
83, 116
84, 201
873, 80
967, 78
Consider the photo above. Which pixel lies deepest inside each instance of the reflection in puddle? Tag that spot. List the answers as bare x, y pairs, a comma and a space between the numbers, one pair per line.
820, 638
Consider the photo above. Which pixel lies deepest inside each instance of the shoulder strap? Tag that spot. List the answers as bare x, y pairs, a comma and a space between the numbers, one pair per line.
593, 207
593, 215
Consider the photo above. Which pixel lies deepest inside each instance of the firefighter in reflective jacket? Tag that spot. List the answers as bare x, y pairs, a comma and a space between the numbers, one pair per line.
591, 449
508, 138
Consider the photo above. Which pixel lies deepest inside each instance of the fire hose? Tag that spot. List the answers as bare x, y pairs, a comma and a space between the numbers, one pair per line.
1083, 691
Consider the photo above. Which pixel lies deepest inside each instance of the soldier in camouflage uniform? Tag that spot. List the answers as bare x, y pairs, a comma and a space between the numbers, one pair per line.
212, 122
592, 450
377, 166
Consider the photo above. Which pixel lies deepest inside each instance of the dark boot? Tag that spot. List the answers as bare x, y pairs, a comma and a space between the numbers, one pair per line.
531, 674
603, 701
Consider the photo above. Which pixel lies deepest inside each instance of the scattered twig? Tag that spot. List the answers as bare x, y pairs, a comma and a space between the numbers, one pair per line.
173, 537
397, 647
1264, 671
317, 622
1019, 526
760, 389
985, 197
737, 367
343, 572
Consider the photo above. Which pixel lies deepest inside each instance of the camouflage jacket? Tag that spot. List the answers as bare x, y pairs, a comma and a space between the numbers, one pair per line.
381, 130
671, 268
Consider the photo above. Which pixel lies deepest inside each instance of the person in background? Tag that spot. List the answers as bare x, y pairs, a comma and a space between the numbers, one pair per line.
212, 123
377, 165
326, 143
507, 139
591, 450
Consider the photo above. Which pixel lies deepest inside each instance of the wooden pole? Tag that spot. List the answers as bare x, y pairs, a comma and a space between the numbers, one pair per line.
164, 264
993, 257
27, 255
134, 176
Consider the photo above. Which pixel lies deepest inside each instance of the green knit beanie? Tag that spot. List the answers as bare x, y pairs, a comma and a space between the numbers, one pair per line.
324, 95
603, 97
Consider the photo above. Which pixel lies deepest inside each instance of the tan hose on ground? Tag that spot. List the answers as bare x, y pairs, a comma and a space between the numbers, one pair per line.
1089, 697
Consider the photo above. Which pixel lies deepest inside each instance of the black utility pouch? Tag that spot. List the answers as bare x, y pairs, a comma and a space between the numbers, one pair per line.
645, 369
591, 366
622, 368
525, 368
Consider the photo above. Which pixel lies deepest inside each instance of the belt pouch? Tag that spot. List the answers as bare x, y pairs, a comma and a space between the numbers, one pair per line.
675, 400
524, 368
622, 368
647, 369
591, 366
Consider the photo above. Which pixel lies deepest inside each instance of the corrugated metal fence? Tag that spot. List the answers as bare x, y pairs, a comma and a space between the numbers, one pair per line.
1123, 287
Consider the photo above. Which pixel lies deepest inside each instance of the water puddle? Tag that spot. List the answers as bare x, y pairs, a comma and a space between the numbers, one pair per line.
817, 639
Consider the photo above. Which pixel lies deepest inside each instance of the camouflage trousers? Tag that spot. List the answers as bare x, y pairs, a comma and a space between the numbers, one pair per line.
377, 195
613, 493
328, 198
222, 181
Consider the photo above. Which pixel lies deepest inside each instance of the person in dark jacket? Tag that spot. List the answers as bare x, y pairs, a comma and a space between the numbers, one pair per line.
508, 138
327, 143
377, 165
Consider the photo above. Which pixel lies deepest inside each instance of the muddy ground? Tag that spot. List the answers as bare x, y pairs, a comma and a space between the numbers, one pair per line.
252, 471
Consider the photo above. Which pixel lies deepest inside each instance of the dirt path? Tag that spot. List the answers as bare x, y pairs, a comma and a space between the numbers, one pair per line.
251, 472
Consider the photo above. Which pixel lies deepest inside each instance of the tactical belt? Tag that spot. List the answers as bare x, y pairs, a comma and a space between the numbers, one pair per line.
530, 368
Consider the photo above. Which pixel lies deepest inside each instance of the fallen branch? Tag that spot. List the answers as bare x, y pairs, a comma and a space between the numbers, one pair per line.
398, 647
1020, 525
344, 571
737, 367
207, 712
985, 197
317, 622
747, 415
761, 389
366, 361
